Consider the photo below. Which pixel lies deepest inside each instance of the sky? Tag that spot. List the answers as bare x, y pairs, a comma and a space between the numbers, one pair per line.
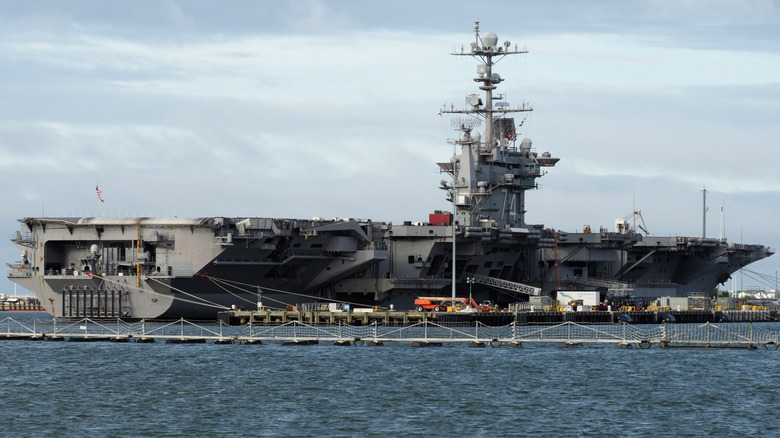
311, 108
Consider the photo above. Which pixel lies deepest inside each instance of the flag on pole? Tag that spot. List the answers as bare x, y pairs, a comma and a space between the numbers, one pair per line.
99, 193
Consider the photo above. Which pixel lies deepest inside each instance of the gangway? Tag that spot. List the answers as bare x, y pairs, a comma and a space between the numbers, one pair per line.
508, 285
614, 288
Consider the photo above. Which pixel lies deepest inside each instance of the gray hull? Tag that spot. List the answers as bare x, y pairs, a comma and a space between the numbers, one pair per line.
90, 266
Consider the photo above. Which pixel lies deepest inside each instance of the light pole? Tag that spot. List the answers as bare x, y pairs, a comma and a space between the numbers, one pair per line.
453, 222
470, 281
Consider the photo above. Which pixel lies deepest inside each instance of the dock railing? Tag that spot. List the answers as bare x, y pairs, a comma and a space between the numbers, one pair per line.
666, 335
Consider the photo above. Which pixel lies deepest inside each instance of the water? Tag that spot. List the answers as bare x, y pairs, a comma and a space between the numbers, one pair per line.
167, 390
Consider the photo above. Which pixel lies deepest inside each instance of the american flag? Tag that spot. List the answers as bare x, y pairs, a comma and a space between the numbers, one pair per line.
99, 193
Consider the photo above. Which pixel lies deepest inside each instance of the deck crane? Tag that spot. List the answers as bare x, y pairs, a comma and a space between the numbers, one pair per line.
635, 223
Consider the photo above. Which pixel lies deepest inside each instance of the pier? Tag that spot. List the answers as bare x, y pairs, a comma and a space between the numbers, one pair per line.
406, 317
421, 334
24, 304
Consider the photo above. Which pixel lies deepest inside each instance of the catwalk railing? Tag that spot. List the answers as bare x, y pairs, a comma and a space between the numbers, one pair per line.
666, 335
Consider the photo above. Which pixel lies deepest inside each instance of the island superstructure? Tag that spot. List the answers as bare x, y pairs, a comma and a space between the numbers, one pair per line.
195, 267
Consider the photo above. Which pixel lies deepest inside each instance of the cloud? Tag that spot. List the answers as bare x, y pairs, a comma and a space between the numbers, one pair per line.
178, 16
310, 108
314, 16
717, 11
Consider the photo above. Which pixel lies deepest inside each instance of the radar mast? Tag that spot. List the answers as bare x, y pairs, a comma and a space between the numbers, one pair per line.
491, 173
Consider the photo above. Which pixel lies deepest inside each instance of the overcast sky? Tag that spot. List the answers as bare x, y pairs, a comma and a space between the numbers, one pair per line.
314, 108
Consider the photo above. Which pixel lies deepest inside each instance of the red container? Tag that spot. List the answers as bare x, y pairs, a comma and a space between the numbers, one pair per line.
439, 218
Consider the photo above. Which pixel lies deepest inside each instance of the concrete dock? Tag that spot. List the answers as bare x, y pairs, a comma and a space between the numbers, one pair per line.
403, 318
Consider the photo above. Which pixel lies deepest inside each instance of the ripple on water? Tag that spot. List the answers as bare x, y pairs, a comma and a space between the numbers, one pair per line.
107, 389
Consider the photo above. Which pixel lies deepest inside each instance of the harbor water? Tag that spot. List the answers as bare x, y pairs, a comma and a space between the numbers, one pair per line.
182, 390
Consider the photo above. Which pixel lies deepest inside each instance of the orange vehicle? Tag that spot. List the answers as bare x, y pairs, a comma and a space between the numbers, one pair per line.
435, 304
439, 304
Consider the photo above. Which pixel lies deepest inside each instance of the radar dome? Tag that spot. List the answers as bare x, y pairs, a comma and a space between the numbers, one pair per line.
489, 40
94, 249
525, 145
470, 137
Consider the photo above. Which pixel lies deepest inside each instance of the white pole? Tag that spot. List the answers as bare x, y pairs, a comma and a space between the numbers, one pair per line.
454, 221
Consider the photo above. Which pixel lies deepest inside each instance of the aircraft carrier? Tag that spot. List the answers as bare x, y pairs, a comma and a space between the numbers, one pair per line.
157, 268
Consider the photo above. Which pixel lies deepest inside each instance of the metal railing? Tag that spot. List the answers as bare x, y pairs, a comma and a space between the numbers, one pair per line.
666, 335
